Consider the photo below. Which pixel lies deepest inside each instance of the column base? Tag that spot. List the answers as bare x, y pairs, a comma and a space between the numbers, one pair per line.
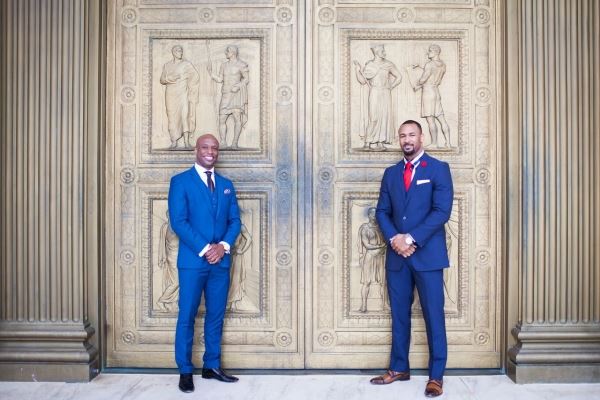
555, 354
63, 372
41, 351
548, 373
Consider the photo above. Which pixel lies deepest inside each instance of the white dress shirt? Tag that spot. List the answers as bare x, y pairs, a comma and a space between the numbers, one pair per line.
202, 172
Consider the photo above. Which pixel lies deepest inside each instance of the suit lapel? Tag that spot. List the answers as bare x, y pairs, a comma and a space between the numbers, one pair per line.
219, 192
400, 178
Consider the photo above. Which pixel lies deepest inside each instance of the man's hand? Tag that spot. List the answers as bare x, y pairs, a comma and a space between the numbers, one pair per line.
215, 253
399, 245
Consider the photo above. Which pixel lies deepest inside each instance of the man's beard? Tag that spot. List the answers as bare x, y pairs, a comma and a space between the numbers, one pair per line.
409, 152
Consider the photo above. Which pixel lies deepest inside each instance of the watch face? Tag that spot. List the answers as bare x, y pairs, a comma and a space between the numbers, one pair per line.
408, 241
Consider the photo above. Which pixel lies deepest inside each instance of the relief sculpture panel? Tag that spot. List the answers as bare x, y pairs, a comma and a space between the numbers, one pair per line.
214, 82
364, 290
210, 87
391, 92
248, 285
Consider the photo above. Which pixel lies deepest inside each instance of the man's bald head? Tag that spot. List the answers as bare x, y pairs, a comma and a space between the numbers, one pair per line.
206, 135
207, 150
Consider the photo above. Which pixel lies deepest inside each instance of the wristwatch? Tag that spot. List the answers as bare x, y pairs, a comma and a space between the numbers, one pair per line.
409, 240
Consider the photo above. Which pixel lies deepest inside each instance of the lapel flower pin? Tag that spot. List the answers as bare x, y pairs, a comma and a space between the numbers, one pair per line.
423, 163
226, 191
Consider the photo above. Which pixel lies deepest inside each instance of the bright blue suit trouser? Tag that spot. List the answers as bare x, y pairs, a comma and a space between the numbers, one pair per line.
430, 286
213, 281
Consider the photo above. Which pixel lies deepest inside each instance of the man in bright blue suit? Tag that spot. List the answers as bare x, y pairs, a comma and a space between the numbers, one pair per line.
204, 213
415, 202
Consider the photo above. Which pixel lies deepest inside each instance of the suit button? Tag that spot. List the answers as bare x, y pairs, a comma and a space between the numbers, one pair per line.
403, 217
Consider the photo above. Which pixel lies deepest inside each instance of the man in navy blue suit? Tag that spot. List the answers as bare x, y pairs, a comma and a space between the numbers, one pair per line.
415, 202
204, 213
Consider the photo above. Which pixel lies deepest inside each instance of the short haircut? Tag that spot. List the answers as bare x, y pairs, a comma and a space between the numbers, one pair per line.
234, 48
436, 48
411, 122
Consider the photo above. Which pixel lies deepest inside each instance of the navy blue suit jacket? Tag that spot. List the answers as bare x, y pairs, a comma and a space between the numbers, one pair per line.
194, 221
422, 211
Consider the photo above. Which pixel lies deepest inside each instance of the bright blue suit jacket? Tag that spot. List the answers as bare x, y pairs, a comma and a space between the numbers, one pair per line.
194, 220
422, 211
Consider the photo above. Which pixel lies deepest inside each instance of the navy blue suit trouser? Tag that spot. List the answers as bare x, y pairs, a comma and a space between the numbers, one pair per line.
213, 281
430, 286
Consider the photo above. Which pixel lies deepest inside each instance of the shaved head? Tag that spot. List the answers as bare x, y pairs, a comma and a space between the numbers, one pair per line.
207, 150
206, 136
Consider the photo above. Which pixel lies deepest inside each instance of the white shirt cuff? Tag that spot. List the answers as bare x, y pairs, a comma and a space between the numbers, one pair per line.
204, 250
226, 246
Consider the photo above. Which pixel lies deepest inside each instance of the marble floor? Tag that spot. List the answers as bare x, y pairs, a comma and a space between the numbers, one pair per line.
292, 387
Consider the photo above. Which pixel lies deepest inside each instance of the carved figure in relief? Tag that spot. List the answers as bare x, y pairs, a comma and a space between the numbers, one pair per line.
372, 260
234, 77
167, 262
181, 82
415, 203
380, 76
451, 274
431, 100
237, 288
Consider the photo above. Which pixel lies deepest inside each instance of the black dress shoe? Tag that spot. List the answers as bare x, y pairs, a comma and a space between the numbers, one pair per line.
219, 374
186, 383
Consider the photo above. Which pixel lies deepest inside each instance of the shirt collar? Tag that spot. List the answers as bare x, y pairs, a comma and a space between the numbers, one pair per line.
415, 161
202, 171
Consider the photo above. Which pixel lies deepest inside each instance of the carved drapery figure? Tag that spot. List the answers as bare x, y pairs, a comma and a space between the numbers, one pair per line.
234, 76
380, 76
372, 248
237, 285
181, 82
167, 261
431, 100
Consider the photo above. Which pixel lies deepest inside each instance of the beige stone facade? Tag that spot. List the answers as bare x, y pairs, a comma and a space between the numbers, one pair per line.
100, 101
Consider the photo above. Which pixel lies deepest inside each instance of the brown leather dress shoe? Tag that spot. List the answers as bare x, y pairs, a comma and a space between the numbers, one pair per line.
434, 388
389, 377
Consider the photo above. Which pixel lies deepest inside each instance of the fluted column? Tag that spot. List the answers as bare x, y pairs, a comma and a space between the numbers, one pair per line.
45, 327
558, 333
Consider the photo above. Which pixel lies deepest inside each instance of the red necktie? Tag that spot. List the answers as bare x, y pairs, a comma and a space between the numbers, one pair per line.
408, 168
209, 181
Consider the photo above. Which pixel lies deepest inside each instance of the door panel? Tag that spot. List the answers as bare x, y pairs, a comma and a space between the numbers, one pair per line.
159, 98
306, 292
374, 65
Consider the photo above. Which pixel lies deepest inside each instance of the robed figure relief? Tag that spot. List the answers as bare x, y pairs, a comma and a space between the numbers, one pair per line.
167, 261
372, 249
181, 81
380, 76
239, 266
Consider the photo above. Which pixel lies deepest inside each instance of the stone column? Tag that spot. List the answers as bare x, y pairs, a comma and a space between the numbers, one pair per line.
556, 138
49, 189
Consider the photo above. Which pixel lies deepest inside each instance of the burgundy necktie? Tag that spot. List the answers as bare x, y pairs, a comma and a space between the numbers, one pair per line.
408, 168
209, 181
